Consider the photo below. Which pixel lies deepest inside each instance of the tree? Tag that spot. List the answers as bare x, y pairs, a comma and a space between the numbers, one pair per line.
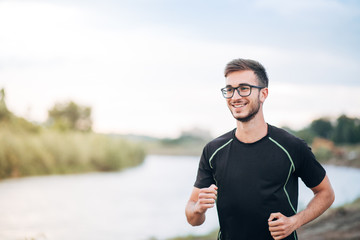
70, 116
306, 134
322, 127
347, 130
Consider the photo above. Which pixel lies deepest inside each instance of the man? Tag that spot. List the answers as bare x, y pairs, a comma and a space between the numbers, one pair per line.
252, 172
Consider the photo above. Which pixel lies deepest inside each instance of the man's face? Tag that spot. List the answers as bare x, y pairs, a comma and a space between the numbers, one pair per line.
244, 108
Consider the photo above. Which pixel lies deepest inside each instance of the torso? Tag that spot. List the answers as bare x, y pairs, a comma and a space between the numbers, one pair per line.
254, 180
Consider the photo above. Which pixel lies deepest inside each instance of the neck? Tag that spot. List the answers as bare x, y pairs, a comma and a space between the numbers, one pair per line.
252, 131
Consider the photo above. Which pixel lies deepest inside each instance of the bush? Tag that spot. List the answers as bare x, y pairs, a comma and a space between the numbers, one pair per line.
323, 154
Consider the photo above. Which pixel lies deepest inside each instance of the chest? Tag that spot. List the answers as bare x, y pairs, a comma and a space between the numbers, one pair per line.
254, 166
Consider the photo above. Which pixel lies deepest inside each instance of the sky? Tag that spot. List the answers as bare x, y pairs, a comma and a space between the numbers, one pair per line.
155, 67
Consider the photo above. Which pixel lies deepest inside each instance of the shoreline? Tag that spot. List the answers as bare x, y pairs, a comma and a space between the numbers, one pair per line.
336, 223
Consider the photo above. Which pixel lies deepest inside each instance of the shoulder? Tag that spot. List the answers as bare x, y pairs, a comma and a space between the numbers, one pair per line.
298, 149
212, 148
283, 137
220, 141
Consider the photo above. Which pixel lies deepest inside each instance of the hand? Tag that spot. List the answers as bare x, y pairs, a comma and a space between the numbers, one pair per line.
281, 226
206, 199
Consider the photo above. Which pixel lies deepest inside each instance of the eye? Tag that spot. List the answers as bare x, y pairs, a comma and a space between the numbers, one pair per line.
229, 89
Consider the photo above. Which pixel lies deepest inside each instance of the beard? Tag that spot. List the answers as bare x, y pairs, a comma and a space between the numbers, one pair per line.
254, 109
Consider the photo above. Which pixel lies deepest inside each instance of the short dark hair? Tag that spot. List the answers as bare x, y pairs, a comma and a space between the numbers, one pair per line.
248, 64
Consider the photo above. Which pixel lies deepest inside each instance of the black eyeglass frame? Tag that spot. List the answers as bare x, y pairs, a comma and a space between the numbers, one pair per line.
238, 91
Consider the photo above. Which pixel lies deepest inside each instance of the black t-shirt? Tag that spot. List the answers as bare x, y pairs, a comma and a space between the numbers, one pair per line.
256, 179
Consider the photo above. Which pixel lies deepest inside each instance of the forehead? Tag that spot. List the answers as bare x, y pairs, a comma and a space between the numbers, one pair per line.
241, 77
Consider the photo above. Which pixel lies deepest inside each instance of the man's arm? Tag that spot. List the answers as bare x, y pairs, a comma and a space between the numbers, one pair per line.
281, 226
200, 200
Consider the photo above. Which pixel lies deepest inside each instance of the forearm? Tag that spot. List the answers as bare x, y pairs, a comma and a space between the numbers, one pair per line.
281, 226
317, 206
194, 217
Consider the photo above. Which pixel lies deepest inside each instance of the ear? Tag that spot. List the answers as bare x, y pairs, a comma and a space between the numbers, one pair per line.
263, 94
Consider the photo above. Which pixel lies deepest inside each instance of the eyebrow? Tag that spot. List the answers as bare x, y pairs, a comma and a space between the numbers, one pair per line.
241, 84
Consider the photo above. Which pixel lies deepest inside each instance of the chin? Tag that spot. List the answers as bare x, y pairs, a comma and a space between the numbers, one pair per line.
240, 118
244, 118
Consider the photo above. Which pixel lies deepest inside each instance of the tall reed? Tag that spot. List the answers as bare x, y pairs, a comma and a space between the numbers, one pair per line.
24, 153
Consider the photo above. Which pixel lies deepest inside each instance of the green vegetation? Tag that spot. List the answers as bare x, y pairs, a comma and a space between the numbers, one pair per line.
52, 152
343, 130
190, 142
65, 145
334, 141
70, 116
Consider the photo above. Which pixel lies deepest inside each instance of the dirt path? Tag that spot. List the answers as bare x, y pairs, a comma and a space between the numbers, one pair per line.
340, 223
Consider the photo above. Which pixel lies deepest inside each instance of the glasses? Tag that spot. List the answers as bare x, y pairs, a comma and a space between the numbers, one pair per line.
243, 90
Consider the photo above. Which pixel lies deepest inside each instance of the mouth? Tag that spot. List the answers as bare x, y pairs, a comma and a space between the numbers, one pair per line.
239, 105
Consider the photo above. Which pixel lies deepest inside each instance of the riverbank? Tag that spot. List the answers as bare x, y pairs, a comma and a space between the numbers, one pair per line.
338, 223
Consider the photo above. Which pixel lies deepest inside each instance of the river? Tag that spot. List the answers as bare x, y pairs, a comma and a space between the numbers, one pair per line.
141, 203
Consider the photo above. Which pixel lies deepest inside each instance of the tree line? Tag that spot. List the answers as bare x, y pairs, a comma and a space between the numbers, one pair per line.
63, 116
343, 130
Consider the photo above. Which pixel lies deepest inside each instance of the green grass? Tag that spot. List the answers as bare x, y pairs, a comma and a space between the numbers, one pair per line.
24, 153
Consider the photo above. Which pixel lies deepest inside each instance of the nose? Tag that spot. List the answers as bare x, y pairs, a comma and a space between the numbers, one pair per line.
236, 95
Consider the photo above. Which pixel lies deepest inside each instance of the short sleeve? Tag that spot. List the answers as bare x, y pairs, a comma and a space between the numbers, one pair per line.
204, 176
309, 170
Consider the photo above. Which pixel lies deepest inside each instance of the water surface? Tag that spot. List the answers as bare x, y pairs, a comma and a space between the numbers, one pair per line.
136, 204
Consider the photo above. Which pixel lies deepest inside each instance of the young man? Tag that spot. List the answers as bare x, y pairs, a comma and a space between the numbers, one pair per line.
252, 172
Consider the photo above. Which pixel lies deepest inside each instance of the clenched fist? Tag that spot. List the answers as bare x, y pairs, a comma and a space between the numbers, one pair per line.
206, 199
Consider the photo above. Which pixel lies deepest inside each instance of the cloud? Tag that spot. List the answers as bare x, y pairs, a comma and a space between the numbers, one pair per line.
151, 78
332, 8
